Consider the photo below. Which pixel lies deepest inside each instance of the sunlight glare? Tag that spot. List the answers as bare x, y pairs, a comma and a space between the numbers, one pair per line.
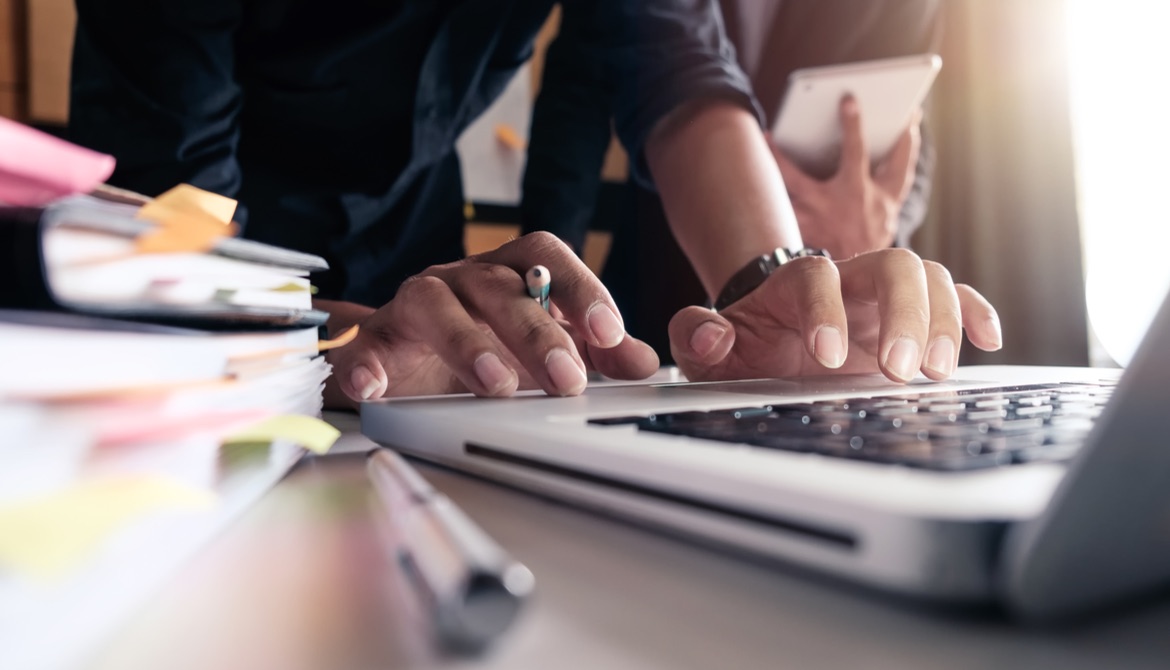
1119, 63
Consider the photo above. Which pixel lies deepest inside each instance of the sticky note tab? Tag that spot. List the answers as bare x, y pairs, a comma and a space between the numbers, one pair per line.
49, 536
292, 287
181, 233
309, 432
346, 336
188, 199
36, 167
507, 136
189, 218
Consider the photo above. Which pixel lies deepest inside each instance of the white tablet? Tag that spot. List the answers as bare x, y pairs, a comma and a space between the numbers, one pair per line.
808, 127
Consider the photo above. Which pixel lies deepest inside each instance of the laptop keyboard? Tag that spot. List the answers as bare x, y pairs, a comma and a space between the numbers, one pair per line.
938, 430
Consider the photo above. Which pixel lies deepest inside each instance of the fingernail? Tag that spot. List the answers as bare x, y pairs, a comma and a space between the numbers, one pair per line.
996, 331
829, 347
850, 106
492, 373
606, 326
941, 356
364, 382
902, 359
566, 375
705, 337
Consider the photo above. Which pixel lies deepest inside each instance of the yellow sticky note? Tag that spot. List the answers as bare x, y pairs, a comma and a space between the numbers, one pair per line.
292, 287
309, 432
346, 336
191, 200
48, 536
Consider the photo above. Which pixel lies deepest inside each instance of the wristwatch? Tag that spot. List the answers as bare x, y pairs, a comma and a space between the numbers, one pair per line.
755, 272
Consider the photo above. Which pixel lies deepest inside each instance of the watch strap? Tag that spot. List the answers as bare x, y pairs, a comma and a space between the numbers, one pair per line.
750, 276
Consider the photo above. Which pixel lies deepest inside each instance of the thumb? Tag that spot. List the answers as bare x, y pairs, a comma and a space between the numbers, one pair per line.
699, 339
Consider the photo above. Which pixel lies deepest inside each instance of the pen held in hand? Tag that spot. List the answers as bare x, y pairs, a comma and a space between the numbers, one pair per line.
538, 281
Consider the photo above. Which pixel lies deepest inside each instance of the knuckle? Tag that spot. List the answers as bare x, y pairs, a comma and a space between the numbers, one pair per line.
903, 255
910, 313
900, 259
544, 243
421, 288
464, 342
937, 271
497, 278
811, 270
540, 333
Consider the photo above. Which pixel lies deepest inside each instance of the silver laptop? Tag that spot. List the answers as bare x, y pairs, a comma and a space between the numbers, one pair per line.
1047, 489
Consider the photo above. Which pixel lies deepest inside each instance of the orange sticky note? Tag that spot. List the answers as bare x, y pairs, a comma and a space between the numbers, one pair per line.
191, 200
508, 136
181, 233
341, 340
190, 219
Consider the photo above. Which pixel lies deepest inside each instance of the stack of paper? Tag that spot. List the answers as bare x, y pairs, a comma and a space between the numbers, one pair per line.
157, 375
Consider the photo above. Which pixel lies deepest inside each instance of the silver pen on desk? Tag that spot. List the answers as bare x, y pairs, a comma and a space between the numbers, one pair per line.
473, 588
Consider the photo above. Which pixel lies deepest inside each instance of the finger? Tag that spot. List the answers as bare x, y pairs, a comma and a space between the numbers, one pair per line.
854, 150
895, 174
358, 368
699, 339
896, 280
428, 309
980, 319
807, 291
632, 359
496, 295
578, 292
946, 323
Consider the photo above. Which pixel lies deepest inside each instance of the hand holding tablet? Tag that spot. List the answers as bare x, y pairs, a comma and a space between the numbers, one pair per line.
888, 92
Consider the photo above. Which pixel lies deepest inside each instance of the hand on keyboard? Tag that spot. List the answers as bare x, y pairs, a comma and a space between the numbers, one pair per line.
886, 311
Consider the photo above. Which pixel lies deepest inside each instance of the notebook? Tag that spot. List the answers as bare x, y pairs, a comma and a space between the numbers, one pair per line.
1046, 490
86, 255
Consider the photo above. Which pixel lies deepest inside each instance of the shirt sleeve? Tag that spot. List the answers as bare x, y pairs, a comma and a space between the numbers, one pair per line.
569, 136
660, 55
153, 84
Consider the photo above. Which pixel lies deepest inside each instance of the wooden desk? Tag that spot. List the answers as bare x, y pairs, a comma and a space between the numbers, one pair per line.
300, 582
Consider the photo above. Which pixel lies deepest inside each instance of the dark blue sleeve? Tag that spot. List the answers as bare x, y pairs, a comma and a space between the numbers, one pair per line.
569, 136
153, 84
660, 55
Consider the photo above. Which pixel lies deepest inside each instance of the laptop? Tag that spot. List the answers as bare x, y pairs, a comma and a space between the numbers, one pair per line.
1044, 489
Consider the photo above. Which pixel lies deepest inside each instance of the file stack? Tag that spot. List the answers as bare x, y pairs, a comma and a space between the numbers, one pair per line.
157, 375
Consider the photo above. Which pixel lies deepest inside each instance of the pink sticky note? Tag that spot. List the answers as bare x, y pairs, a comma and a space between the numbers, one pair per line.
36, 167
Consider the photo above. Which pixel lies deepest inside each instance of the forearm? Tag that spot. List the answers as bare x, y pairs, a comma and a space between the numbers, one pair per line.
721, 189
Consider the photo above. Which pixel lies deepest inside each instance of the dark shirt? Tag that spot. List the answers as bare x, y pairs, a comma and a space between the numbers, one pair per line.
646, 271
561, 186
334, 123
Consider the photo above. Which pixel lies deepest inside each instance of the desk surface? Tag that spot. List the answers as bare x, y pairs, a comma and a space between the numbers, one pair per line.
300, 582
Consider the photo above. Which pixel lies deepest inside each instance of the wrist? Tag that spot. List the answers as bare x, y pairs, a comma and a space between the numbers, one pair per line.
750, 276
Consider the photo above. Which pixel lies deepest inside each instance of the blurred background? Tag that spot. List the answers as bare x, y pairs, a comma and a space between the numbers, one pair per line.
1053, 161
